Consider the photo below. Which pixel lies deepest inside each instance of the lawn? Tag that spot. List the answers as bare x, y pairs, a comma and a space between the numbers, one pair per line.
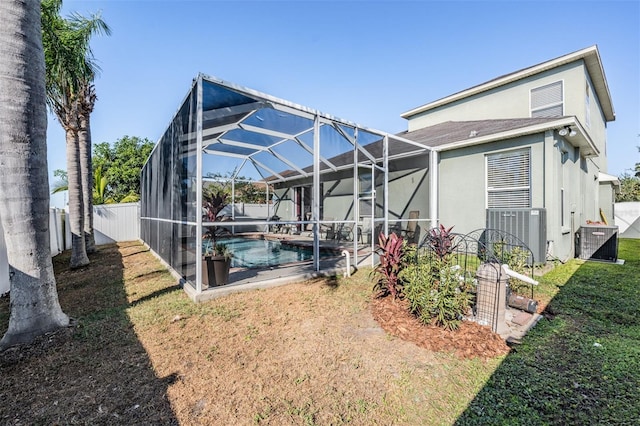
140, 352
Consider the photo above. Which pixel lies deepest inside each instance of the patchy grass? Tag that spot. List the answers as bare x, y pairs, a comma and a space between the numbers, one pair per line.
311, 353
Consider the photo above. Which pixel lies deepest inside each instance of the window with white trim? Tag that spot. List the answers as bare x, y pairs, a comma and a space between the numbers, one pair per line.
509, 179
547, 101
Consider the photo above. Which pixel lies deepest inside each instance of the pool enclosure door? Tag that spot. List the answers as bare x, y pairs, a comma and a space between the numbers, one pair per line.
303, 207
370, 208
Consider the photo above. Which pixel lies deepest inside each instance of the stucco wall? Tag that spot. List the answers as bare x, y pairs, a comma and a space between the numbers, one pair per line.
463, 181
607, 200
598, 127
511, 100
557, 171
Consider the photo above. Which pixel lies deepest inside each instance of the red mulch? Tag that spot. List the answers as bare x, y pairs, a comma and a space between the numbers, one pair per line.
468, 341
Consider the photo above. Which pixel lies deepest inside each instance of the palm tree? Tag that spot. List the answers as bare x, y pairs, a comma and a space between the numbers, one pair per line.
86, 103
99, 192
24, 194
70, 94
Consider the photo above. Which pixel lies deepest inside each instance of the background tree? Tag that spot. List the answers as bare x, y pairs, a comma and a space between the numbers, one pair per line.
126, 156
99, 186
246, 190
630, 185
24, 196
70, 72
629, 188
121, 164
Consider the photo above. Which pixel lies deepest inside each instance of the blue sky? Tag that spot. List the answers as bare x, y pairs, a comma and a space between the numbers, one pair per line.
364, 61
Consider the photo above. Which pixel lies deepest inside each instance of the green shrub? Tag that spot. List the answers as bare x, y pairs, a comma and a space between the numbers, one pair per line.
516, 258
438, 291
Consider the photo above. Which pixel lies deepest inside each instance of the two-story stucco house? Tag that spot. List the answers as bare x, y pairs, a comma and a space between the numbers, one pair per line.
533, 139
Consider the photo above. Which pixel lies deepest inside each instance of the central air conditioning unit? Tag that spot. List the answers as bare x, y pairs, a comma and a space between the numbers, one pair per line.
599, 242
528, 225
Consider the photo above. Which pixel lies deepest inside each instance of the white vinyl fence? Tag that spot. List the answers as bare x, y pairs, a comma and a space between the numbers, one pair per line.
627, 219
111, 223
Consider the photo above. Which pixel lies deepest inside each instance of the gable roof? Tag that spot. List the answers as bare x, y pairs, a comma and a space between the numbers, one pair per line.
592, 61
457, 134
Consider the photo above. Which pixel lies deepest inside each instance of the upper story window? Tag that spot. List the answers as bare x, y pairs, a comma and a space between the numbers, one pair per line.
547, 101
509, 179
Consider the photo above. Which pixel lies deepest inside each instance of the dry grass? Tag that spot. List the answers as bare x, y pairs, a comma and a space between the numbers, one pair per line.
305, 353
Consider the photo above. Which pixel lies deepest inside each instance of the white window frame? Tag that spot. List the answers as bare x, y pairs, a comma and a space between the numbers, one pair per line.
560, 103
491, 189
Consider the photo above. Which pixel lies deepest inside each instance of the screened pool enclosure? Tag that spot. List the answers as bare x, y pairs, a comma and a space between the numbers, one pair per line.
286, 177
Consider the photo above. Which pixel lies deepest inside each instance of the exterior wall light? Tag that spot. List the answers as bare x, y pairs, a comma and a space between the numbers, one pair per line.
567, 130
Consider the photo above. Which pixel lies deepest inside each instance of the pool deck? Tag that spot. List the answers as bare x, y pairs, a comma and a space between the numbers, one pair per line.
242, 279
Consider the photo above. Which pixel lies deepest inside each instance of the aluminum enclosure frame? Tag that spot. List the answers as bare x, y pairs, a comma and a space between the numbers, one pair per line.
225, 129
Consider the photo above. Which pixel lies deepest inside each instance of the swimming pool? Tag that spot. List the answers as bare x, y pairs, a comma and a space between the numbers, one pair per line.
255, 252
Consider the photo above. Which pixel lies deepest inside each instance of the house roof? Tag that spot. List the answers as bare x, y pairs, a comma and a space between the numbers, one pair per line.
592, 61
605, 177
457, 134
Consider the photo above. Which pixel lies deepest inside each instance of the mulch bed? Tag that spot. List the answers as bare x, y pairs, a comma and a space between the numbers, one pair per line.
468, 341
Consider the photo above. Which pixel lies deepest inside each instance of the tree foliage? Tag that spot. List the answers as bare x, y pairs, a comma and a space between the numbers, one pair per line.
629, 188
70, 71
121, 164
246, 190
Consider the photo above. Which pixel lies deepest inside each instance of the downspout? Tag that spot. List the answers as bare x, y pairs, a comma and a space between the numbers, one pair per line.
433, 187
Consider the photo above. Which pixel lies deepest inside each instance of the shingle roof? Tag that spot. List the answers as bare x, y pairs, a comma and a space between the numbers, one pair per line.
457, 131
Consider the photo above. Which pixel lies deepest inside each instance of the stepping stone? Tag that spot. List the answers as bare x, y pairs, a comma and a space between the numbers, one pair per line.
521, 318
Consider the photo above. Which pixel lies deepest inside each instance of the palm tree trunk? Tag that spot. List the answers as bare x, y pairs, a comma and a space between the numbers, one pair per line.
84, 139
24, 185
76, 210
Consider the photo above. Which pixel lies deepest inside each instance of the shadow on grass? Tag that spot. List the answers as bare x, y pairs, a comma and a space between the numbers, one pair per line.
581, 363
96, 372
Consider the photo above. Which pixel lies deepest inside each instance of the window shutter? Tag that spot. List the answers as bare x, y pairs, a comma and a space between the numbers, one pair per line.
508, 179
546, 101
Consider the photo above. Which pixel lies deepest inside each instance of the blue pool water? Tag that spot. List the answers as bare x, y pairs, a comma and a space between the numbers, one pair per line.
254, 253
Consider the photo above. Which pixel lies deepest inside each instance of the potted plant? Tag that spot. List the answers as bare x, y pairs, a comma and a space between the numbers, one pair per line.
221, 260
208, 272
216, 257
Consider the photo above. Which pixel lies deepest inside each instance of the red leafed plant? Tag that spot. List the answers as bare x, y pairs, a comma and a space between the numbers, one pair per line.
391, 250
441, 241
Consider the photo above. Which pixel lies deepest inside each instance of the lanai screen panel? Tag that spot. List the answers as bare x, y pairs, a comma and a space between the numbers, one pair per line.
313, 161
168, 192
